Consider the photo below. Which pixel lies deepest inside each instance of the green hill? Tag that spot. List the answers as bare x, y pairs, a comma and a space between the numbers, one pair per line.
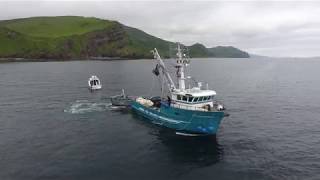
227, 52
73, 37
199, 50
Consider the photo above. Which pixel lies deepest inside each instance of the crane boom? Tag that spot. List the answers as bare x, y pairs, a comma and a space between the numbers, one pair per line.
171, 84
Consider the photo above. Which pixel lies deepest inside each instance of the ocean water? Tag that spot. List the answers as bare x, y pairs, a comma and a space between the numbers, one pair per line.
53, 127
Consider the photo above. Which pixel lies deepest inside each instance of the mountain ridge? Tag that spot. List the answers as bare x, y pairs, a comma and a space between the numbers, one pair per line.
75, 37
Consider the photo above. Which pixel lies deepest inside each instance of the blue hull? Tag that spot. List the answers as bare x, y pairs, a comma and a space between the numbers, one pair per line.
181, 120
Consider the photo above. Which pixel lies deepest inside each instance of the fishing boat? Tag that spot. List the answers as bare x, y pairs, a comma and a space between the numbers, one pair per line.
94, 83
191, 110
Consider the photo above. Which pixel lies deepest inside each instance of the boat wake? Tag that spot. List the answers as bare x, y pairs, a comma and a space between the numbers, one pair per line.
85, 106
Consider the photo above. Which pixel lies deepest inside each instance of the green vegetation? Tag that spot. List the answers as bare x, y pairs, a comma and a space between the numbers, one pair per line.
227, 52
53, 27
72, 37
198, 50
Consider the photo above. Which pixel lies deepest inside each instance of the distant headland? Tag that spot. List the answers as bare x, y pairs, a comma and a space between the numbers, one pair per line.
74, 37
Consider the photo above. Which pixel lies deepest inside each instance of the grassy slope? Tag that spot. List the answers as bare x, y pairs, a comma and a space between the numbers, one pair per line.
67, 37
48, 37
143, 43
54, 27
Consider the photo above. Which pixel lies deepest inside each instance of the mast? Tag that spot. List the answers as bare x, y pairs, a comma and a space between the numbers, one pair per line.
180, 69
164, 70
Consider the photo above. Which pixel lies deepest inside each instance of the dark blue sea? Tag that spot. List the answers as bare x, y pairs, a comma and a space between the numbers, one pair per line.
53, 127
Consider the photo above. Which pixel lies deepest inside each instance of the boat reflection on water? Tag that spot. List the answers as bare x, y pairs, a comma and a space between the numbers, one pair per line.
190, 151
197, 150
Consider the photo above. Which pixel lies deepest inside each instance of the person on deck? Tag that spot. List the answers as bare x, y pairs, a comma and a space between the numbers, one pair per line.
169, 100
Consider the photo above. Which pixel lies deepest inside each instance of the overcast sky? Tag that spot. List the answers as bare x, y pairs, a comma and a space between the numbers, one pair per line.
264, 28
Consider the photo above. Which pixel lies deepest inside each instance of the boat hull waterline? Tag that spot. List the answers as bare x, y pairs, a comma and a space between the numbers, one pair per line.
181, 120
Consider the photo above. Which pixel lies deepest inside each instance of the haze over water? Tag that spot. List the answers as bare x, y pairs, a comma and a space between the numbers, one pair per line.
53, 127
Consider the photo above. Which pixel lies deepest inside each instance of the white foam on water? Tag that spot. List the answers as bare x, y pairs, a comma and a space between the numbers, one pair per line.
187, 134
85, 106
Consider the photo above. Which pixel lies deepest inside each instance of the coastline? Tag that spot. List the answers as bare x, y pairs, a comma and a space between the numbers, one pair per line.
9, 59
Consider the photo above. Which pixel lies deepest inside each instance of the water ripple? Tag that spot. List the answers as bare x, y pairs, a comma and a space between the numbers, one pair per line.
85, 106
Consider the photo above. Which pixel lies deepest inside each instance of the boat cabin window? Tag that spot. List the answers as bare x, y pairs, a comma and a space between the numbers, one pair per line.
194, 99
184, 98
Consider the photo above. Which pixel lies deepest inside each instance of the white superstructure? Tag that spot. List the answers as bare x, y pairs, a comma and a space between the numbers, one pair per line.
193, 98
94, 83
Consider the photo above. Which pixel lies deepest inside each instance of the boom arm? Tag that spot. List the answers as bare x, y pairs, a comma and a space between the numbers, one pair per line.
163, 68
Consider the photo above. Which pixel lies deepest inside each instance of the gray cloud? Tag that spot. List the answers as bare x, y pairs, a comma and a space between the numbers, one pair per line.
266, 28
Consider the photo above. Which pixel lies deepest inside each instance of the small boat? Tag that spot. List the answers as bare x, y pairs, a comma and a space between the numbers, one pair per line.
121, 100
94, 83
189, 110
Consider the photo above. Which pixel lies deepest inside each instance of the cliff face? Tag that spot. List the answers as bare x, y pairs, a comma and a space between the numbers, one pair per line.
71, 37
